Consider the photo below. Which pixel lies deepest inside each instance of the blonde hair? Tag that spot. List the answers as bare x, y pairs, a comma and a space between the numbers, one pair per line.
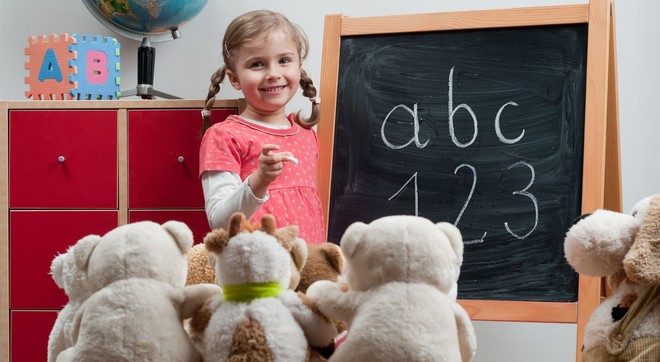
257, 25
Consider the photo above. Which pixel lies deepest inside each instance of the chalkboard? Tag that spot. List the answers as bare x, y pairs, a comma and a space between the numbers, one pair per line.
482, 128
503, 122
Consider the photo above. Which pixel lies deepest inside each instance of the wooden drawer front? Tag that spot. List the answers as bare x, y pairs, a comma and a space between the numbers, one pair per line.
163, 158
195, 219
63, 159
29, 335
35, 238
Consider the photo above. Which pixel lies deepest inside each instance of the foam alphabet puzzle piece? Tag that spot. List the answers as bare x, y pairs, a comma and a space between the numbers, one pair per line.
48, 68
96, 67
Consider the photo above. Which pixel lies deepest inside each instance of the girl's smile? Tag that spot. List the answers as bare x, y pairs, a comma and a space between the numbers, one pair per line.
273, 89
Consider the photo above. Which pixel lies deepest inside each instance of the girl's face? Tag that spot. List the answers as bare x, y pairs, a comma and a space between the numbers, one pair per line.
267, 71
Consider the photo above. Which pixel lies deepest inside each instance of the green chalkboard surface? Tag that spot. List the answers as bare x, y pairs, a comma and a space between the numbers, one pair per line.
482, 128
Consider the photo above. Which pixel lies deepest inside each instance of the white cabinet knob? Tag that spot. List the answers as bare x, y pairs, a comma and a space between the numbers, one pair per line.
61, 159
180, 159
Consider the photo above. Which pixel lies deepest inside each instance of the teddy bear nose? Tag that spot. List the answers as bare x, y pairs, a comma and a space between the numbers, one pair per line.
583, 216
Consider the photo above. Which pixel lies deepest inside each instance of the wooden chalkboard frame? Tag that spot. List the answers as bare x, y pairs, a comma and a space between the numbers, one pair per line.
601, 161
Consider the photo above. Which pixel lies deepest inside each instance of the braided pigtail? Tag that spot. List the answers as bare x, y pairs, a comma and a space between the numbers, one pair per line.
214, 88
309, 91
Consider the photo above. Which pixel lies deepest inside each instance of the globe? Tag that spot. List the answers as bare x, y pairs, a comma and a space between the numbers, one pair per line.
148, 21
158, 20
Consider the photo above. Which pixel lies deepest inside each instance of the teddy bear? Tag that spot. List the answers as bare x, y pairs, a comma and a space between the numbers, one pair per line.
324, 262
399, 272
137, 274
200, 265
257, 318
67, 276
624, 248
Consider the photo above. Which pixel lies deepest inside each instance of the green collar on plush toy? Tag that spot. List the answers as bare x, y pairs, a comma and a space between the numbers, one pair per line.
251, 291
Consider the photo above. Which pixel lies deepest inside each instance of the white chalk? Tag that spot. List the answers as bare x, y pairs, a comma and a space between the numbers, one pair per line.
293, 159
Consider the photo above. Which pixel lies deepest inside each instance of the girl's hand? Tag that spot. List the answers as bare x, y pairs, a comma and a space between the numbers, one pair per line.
271, 165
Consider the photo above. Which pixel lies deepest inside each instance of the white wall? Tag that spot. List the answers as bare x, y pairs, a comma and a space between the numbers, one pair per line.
183, 68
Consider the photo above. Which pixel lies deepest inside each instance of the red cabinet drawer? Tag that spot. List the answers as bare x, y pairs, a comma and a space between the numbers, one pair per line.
29, 335
163, 158
36, 237
63, 159
195, 219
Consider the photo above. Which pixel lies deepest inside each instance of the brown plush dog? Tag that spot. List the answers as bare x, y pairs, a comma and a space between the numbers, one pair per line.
625, 248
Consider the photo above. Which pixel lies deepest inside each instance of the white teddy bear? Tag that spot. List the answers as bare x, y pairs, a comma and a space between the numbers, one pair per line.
626, 249
69, 277
400, 272
257, 318
136, 314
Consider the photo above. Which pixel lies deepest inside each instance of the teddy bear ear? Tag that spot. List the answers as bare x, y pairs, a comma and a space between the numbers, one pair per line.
643, 260
455, 239
83, 249
57, 269
181, 233
299, 253
333, 255
286, 236
351, 238
216, 240
236, 223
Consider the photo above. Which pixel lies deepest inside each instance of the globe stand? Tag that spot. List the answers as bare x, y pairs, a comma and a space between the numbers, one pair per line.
145, 87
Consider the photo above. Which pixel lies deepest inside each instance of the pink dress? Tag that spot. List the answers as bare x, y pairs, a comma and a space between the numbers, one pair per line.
235, 145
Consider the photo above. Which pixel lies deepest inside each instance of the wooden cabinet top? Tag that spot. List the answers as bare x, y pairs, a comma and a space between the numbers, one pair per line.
120, 104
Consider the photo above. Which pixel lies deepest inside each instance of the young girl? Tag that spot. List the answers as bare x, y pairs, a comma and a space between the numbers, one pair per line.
263, 161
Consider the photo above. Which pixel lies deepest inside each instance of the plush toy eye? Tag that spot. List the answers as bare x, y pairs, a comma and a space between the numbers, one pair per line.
618, 312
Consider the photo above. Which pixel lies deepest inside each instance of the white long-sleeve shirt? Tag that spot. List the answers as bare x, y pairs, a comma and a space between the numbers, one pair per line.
225, 194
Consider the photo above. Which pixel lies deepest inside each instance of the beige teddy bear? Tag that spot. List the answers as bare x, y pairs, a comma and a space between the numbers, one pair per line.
138, 272
399, 272
68, 276
626, 249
